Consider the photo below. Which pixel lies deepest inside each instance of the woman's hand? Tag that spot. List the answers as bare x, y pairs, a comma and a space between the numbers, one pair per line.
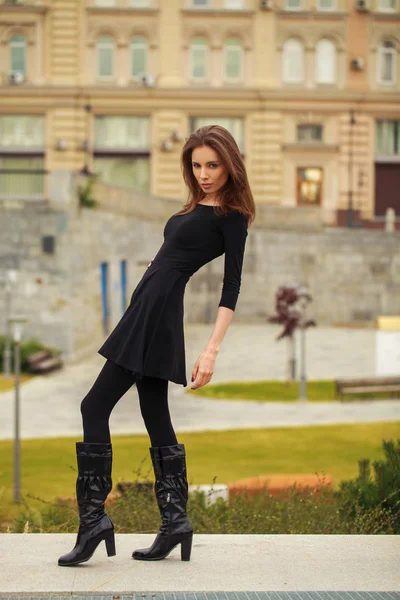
203, 370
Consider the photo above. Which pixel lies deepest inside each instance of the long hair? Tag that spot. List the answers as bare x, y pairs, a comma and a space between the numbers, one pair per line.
235, 194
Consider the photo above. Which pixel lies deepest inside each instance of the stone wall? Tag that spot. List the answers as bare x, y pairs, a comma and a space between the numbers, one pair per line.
353, 275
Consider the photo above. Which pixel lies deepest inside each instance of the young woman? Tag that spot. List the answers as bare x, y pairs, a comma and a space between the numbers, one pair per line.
147, 346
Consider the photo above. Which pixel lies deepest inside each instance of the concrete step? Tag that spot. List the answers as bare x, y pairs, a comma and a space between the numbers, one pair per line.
219, 563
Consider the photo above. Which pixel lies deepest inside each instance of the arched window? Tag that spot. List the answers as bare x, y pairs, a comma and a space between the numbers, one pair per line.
233, 60
386, 64
293, 61
105, 48
139, 50
199, 59
17, 48
325, 62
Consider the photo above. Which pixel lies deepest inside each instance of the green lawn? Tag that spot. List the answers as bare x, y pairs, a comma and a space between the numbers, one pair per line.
270, 390
49, 466
8, 383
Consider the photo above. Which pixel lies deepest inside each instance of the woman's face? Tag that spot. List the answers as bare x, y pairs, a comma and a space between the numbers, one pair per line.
208, 169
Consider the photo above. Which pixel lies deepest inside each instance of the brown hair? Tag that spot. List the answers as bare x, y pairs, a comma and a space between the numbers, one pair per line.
235, 193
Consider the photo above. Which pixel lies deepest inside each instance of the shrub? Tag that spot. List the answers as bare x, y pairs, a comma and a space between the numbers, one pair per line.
377, 491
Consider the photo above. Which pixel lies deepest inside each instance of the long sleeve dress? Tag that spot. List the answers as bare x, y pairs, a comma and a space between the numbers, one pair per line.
149, 338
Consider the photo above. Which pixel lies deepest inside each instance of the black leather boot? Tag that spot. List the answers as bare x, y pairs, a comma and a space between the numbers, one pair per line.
93, 485
171, 489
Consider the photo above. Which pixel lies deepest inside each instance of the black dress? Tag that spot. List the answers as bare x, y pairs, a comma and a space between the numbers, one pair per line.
149, 338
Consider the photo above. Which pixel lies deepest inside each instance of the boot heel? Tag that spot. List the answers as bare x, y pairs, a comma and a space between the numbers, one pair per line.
110, 544
186, 548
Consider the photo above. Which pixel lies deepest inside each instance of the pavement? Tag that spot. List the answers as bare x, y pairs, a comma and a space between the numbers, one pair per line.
50, 405
219, 562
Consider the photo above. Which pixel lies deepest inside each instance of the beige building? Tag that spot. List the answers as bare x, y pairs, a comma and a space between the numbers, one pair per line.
309, 88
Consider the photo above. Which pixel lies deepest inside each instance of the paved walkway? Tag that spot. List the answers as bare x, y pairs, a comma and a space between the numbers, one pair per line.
50, 404
218, 563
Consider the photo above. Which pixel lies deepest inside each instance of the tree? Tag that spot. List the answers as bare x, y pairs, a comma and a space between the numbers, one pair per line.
287, 300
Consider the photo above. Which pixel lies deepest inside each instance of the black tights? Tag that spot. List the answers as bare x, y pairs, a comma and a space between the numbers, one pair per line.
111, 384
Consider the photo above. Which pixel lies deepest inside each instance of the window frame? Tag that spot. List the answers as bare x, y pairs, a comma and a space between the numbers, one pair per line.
387, 10
12, 45
309, 126
142, 46
193, 46
121, 149
239, 50
285, 57
292, 9
112, 45
382, 50
332, 46
322, 9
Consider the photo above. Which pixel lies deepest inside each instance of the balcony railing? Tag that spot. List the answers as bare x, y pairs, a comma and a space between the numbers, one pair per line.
23, 184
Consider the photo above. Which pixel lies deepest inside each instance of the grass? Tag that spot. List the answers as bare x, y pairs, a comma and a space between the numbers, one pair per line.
282, 391
48, 467
8, 383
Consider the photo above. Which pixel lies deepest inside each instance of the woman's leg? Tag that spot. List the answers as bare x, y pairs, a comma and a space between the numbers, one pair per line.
111, 384
153, 398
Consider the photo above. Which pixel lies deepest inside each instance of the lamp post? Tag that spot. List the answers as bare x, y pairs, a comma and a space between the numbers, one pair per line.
350, 171
9, 280
16, 324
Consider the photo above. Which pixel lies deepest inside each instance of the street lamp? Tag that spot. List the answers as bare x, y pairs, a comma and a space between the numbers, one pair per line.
352, 122
16, 324
9, 280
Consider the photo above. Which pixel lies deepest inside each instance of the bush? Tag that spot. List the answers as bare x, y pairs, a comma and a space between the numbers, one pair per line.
296, 512
28, 347
379, 491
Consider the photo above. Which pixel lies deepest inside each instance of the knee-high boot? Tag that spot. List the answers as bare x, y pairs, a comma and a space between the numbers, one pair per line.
171, 489
93, 485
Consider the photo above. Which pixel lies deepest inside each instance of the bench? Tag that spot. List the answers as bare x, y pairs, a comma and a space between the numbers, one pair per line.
43, 362
367, 385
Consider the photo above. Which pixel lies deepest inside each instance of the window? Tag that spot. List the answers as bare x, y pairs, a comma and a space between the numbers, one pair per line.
325, 63
309, 185
387, 5
234, 125
388, 138
293, 61
105, 3
199, 59
17, 54
199, 3
294, 4
105, 57
140, 3
25, 132
22, 156
139, 56
386, 63
233, 60
122, 151
326, 5
309, 134
234, 4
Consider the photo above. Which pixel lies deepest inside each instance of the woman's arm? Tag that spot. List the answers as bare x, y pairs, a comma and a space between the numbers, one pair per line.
234, 231
204, 368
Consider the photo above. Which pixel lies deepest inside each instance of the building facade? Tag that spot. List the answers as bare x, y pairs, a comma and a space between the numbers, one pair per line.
309, 88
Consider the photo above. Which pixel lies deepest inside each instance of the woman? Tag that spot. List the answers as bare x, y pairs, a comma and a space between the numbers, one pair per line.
147, 345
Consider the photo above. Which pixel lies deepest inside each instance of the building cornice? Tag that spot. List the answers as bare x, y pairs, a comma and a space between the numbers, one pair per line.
272, 98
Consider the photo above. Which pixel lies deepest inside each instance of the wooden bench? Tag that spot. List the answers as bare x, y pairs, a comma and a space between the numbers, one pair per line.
43, 362
367, 385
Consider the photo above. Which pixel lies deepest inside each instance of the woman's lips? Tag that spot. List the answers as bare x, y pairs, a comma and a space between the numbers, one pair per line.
206, 185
